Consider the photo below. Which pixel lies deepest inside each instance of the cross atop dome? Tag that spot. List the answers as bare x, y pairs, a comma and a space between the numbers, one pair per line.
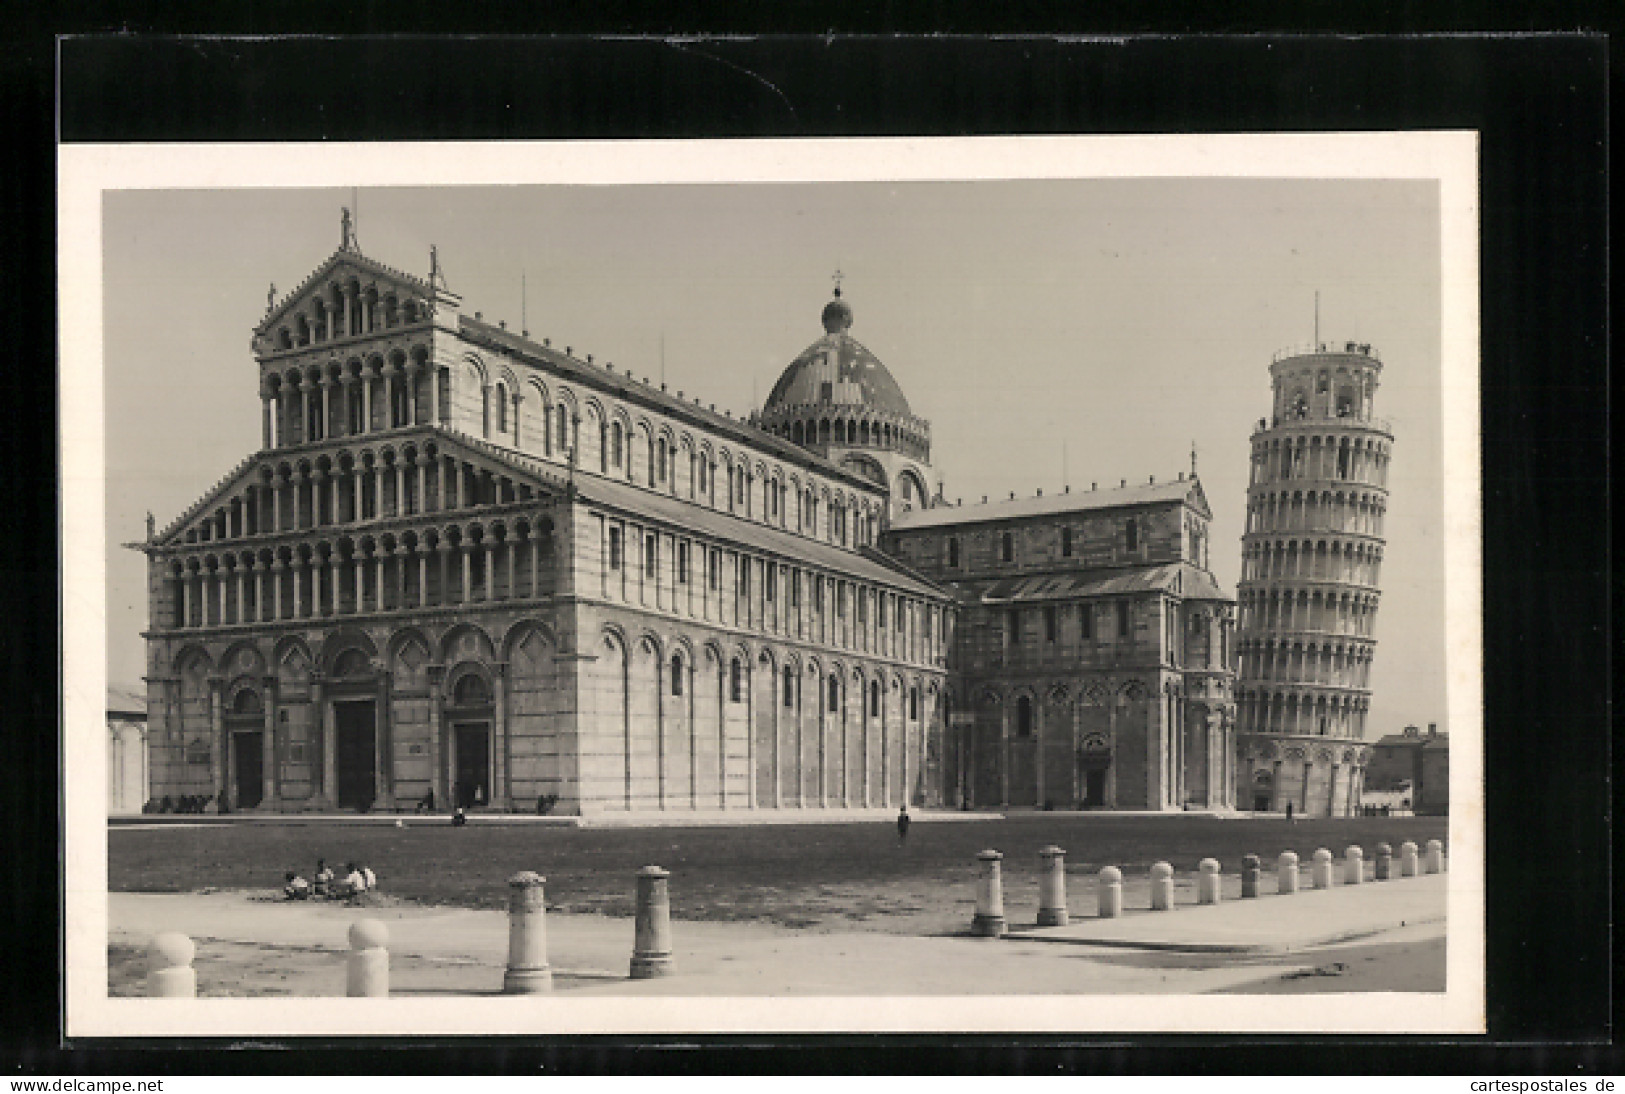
837, 317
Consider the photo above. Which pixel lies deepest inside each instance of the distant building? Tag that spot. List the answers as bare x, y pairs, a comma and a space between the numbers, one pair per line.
1091, 661
126, 749
1416, 763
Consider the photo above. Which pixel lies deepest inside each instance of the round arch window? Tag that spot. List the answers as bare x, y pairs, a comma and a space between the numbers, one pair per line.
471, 690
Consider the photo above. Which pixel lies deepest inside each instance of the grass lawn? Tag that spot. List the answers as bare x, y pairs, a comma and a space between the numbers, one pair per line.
816, 876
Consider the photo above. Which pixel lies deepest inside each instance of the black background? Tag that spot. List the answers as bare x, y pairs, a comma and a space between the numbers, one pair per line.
1540, 105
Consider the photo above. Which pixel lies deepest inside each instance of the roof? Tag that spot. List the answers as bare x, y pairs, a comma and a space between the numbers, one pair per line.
838, 370
860, 565
545, 474
1175, 578
342, 257
1186, 490
126, 699
1397, 740
625, 386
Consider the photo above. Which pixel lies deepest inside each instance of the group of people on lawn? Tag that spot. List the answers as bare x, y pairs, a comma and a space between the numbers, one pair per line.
357, 880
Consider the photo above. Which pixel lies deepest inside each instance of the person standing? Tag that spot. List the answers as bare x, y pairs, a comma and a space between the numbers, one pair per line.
903, 821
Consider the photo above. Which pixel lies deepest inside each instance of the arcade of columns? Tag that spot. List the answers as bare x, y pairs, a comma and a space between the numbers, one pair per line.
1311, 558
303, 576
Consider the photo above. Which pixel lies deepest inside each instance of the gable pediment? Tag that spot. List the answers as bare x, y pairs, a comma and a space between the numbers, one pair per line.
222, 514
343, 287
1196, 498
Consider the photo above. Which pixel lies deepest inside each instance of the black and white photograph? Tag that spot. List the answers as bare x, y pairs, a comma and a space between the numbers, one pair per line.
789, 586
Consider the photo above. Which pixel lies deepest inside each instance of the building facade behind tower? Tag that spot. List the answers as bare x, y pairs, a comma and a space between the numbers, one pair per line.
1311, 556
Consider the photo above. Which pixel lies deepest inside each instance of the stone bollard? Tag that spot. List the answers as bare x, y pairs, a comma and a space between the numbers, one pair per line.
169, 967
1286, 873
1207, 881
1408, 864
1111, 892
1162, 887
528, 972
368, 971
1321, 872
989, 919
1052, 889
1353, 866
1385, 862
651, 946
1251, 871
1435, 856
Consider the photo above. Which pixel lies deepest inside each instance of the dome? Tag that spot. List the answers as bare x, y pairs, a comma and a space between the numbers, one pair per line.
838, 370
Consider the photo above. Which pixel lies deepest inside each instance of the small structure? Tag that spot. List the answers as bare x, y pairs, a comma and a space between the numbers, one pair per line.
1052, 911
366, 973
126, 749
651, 944
988, 922
528, 972
1416, 764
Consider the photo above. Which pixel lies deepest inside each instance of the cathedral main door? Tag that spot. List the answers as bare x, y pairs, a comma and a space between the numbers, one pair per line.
249, 768
473, 764
1094, 787
354, 723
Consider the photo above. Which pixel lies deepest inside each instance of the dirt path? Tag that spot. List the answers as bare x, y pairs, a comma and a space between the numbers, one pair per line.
260, 947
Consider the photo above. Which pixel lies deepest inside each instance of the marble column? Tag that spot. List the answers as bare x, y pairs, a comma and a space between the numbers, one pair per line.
218, 741
270, 756
384, 746
413, 371
502, 791
439, 778
277, 567
327, 732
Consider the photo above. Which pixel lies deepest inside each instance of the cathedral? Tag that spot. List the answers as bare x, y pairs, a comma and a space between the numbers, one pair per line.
466, 568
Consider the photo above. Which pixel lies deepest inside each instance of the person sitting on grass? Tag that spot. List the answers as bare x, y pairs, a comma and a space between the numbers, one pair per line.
324, 879
297, 888
369, 877
352, 885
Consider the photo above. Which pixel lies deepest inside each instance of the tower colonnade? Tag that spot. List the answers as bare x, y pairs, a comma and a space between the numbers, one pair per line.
1311, 561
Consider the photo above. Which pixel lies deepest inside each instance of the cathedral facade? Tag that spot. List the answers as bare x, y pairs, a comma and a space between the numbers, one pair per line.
469, 569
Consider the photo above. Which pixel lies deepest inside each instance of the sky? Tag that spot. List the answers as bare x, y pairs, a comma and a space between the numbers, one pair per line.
1052, 331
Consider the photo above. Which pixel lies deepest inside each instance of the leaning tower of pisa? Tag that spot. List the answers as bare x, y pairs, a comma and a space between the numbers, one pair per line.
1311, 556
